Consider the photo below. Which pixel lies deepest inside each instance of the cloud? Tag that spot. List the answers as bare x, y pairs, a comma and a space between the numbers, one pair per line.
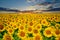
30, 8
30, 0
44, 4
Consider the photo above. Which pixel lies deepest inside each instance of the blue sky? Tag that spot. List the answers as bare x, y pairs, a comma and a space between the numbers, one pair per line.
26, 4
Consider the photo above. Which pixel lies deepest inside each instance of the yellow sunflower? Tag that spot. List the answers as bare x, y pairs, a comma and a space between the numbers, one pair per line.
35, 31
31, 23
7, 37
56, 32
29, 29
21, 27
57, 19
38, 27
48, 32
57, 38
13, 25
1, 27
23, 20
51, 18
57, 26
10, 31
44, 22
38, 37
21, 34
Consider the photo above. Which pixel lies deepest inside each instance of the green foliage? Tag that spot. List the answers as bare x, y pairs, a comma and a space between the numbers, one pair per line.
58, 22
30, 35
52, 38
48, 20
3, 32
53, 23
1, 36
15, 35
16, 31
5, 24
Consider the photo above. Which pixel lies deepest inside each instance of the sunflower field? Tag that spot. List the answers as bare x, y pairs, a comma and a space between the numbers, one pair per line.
29, 26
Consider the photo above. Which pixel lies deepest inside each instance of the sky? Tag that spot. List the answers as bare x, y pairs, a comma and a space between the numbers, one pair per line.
30, 4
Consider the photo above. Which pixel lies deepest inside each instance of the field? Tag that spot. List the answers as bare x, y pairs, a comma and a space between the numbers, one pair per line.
30, 26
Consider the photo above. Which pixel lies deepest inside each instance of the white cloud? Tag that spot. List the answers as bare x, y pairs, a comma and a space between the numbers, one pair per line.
30, 0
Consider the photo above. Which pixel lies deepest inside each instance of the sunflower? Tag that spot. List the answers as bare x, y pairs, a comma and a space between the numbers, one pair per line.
51, 18
10, 31
48, 32
13, 25
1, 27
38, 37
21, 27
56, 32
31, 23
39, 27
7, 37
57, 19
29, 29
44, 22
23, 20
57, 26
21, 34
35, 31
57, 38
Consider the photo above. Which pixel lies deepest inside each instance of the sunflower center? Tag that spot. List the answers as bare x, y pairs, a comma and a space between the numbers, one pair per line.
35, 31
37, 38
57, 32
22, 34
48, 32
10, 31
38, 27
30, 29
1, 27
59, 38
8, 38
44, 22
21, 27
31, 23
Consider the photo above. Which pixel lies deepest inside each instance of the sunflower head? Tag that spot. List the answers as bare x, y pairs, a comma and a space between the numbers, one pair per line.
38, 37
1, 27
48, 32
56, 32
21, 34
7, 37
57, 38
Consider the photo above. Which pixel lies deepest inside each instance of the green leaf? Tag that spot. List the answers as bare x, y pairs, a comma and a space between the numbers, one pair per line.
41, 31
3, 32
48, 20
16, 31
52, 24
5, 24
43, 26
1, 36
16, 37
52, 38
30, 35
46, 38
58, 22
